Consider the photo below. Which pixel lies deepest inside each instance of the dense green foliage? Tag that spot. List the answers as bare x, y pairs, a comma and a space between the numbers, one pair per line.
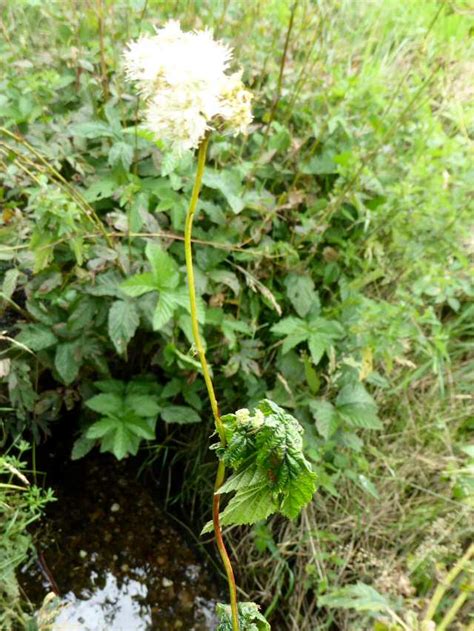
332, 264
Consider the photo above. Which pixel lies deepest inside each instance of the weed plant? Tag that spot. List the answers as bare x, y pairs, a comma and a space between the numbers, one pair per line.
21, 504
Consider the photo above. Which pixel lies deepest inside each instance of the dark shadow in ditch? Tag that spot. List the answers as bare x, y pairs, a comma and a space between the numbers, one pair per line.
117, 559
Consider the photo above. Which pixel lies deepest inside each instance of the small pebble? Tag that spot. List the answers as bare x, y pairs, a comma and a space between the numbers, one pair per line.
124, 568
115, 508
166, 582
82, 554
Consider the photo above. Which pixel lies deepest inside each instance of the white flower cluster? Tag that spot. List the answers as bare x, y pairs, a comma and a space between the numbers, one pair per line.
183, 79
244, 417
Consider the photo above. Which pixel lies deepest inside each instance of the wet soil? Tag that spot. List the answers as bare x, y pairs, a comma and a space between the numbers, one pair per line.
117, 561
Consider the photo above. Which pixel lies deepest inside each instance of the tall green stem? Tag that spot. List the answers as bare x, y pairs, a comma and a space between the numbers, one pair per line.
208, 380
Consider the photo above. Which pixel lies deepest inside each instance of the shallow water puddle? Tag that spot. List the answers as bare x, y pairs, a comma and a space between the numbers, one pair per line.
118, 562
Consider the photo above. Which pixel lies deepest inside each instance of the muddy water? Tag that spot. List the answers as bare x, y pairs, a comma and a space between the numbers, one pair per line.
117, 561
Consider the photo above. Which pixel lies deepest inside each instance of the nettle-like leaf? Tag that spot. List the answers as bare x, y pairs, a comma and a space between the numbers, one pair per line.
319, 334
181, 414
250, 618
353, 408
302, 294
271, 473
123, 322
128, 415
36, 337
360, 597
164, 279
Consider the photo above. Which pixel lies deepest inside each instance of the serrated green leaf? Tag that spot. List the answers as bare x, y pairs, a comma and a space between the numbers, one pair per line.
295, 329
180, 414
142, 404
105, 403
317, 347
226, 277
67, 361
123, 322
102, 427
140, 427
327, 420
250, 476
360, 597
293, 340
164, 267
228, 182
323, 334
357, 407
301, 293
123, 442
143, 385
82, 446
91, 130
164, 310
289, 326
9, 282
114, 386
299, 491
36, 337
102, 188
139, 284
107, 284
249, 505
121, 153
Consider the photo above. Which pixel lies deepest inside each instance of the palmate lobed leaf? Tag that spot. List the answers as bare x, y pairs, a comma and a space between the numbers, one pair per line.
354, 407
319, 333
121, 434
129, 413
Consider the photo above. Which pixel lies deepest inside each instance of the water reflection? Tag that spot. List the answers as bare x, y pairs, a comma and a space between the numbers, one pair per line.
119, 607
118, 562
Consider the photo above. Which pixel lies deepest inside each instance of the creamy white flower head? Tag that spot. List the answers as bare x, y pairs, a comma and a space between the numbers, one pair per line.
243, 415
182, 77
258, 419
